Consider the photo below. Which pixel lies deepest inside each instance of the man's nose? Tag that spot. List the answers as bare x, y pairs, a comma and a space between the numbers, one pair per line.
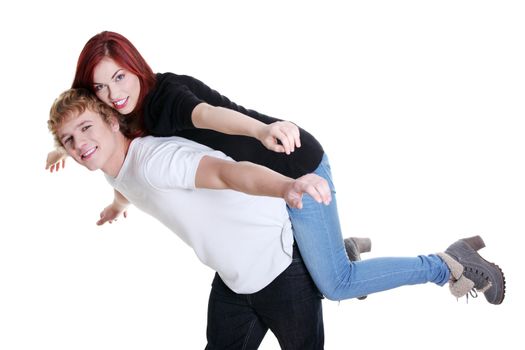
80, 142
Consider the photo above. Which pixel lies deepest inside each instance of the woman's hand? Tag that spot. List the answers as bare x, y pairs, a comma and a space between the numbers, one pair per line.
281, 137
56, 159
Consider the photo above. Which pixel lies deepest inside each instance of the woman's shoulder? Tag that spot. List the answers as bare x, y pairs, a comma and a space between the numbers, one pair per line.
173, 78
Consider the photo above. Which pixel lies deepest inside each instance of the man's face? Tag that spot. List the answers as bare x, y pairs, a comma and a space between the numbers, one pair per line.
89, 140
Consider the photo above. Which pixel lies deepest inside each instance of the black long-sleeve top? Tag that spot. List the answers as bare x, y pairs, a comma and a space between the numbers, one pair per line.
167, 112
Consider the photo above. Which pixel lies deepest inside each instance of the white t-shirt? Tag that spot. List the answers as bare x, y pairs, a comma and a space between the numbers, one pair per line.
246, 239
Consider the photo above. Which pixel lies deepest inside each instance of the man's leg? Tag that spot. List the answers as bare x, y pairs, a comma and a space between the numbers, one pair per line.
232, 322
291, 307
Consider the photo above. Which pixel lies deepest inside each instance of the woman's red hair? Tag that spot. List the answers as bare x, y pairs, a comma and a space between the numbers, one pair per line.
122, 51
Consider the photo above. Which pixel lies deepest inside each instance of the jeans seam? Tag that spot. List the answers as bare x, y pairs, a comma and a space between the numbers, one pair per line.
325, 172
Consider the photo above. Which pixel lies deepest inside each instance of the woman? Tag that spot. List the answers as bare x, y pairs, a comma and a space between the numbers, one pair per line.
175, 105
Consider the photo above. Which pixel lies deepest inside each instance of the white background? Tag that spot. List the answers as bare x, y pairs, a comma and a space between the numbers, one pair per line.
419, 104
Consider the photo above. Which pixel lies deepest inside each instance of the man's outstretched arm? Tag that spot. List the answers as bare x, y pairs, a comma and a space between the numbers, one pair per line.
254, 179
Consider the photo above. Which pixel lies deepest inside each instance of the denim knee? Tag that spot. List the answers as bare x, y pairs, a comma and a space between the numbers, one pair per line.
335, 289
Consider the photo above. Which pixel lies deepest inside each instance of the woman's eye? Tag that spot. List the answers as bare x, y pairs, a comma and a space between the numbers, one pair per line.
98, 87
119, 77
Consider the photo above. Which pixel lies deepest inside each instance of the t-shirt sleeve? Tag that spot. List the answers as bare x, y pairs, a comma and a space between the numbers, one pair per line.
174, 166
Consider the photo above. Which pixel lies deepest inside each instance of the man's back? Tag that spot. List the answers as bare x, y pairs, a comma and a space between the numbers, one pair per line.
246, 239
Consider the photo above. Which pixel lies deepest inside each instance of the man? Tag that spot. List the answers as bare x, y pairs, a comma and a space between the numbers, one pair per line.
261, 281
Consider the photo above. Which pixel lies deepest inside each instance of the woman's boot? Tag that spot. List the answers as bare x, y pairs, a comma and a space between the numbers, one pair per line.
469, 270
354, 247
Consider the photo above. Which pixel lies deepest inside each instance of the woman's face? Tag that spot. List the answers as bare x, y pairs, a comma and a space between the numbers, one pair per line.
116, 86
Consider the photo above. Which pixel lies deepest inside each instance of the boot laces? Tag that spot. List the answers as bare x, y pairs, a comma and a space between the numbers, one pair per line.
473, 294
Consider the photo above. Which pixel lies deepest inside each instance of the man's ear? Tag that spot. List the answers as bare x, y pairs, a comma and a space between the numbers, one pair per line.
115, 126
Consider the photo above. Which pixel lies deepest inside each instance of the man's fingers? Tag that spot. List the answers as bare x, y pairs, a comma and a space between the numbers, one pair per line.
318, 189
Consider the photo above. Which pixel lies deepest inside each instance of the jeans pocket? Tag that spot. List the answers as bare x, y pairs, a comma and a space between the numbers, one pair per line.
299, 280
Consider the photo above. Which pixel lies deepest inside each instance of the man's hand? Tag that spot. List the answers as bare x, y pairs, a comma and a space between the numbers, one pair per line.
55, 159
111, 213
313, 185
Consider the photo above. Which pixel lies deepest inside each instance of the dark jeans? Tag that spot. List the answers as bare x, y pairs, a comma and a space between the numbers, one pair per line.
290, 307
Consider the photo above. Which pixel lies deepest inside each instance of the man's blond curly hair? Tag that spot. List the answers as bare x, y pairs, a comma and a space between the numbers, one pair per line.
72, 103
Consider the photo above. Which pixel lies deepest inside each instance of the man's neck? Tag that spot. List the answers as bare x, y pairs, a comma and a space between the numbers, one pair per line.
118, 157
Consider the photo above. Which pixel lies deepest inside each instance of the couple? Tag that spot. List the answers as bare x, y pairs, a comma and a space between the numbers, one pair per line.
247, 239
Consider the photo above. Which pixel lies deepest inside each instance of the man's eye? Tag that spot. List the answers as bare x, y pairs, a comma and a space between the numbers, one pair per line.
84, 128
66, 141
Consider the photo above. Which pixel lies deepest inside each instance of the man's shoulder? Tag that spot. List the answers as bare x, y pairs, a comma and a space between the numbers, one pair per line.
153, 142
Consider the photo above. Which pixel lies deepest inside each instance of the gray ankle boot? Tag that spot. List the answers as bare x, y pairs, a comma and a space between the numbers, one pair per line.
469, 270
354, 247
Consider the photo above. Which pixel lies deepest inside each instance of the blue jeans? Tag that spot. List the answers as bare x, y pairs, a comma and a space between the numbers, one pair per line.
290, 307
318, 234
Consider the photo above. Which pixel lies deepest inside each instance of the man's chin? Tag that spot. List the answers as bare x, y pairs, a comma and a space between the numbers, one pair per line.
90, 167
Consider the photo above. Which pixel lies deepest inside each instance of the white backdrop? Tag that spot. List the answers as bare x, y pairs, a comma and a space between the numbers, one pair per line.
419, 104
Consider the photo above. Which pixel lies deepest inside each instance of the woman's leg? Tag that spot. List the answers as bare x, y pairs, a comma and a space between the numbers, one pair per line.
318, 234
